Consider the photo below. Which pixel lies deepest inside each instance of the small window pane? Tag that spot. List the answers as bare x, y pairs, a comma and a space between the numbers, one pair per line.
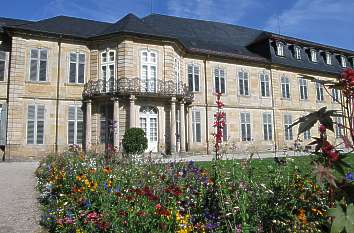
81, 77
33, 70
43, 71
43, 54
72, 75
73, 57
2, 70
34, 53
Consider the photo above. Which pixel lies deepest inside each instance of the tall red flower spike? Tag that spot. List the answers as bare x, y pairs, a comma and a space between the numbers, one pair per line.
219, 123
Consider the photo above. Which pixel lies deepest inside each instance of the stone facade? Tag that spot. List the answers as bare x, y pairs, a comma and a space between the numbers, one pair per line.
57, 94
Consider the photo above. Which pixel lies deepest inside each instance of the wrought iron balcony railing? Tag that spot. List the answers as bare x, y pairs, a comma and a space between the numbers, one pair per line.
136, 86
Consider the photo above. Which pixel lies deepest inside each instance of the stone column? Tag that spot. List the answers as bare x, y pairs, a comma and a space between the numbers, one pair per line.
173, 126
116, 121
132, 111
190, 128
183, 129
88, 122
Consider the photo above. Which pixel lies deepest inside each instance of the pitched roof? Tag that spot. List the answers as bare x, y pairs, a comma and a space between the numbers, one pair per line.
11, 22
70, 26
129, 23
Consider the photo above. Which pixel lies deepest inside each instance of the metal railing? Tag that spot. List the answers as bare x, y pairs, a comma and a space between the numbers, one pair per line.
136, 86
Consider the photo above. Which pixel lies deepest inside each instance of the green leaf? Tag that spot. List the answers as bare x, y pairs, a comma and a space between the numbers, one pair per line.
339, 221
328, 122
349, 225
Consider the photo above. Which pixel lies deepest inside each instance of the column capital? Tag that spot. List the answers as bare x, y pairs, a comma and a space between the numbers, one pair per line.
88, 101
115, 99
132, 98
173, 100
182, 101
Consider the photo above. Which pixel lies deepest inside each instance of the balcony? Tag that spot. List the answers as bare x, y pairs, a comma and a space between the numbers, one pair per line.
137, 87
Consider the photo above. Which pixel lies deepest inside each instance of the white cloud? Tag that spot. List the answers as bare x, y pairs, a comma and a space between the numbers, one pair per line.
325, 21
229, 11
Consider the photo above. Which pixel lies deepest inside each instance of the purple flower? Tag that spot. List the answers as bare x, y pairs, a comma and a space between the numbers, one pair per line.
349, 177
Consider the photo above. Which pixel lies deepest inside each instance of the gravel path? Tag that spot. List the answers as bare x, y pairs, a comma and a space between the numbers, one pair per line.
18, 204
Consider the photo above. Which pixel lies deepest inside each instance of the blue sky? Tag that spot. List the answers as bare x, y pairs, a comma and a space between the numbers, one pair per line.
325, 21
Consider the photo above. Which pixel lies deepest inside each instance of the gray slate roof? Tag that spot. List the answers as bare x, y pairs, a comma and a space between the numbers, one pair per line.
198, 36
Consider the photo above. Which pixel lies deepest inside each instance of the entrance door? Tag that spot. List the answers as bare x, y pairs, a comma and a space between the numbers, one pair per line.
149, 123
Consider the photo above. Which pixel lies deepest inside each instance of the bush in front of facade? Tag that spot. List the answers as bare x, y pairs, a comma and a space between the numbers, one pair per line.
134, 141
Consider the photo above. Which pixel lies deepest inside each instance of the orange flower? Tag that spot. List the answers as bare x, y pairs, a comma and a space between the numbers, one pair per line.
302, 216
107, 170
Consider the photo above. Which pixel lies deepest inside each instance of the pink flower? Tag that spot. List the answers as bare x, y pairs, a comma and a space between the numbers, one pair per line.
334, 156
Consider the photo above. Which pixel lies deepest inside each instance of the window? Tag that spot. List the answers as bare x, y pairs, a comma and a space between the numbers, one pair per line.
243, 83
106, 114
265, 89
313, 55
280, 49
1, 121
75, 125
307, 135
219, 78
335, 95
285, 87
245, 126
267, 126
339, 127
148, 71
297, 53
2, 65
193, 77
177, 74
288, 132
343, 61
328, 58
38, 65
224, 130
303, 89
108, 70
77, 68
196, 123
35, 124
319, 92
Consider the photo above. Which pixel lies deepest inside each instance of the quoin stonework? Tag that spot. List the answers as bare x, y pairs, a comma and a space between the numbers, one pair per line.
67, 80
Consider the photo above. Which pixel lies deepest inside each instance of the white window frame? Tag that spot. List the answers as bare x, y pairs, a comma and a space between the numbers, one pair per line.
3, 54
288, 132
336, 95
328, 58
307, 135
338, 129
303, 87
267, 123
297, 52
313, 53
150, 63
35, 136
107, 64
285, 87
343, 61
38, 65
77, 64
194, 126
264, 78
243, 80
193, 75
319, 92
280, 49
76, 121
217, 70
247, 132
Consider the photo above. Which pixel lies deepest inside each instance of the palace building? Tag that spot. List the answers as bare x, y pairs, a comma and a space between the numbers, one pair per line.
66, 80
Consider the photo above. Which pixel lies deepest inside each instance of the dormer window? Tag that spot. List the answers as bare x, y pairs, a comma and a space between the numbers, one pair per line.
297, 53
328, 58
280, 49
313, 55
343, 61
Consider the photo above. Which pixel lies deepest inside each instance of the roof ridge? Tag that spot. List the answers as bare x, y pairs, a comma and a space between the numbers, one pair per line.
74, 17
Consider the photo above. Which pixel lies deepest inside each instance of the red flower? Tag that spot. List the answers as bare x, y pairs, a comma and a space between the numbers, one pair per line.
334, 155
322, 128
158, 206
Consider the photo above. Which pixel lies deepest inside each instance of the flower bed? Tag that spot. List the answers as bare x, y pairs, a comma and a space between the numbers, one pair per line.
87, 194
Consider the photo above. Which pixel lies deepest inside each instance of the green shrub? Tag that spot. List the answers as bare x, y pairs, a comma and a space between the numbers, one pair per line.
135, 141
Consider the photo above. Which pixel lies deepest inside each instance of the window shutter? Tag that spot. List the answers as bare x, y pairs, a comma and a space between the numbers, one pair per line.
40, 124
72, 68
2, 65
79, 126
34, 65
81, 71
196, 78
240, 82
30, 123
43, 65
71, 125
246, 83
